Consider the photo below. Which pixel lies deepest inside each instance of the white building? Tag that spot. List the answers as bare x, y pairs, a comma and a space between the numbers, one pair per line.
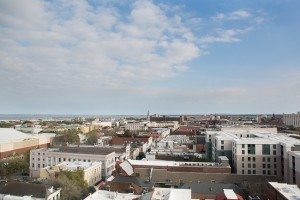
292, 119
136, 126
294, 167
41, 158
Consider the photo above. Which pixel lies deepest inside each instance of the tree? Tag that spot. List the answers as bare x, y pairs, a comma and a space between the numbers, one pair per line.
92, 137
68, 136
141, 156
127, 133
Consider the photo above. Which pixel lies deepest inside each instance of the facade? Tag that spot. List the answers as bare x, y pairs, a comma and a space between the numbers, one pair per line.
91, 170
41, 158
294, 167
136, 126
292, 119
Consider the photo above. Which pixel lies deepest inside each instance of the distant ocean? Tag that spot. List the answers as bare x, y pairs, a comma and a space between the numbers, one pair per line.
58, 117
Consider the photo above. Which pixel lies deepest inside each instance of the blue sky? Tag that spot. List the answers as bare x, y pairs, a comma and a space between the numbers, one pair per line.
169, 57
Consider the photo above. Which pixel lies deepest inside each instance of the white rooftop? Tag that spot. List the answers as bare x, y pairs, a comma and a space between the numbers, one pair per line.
291, 192
10, 135
126, 166
73, 166
171, 194
229, 194
108, 195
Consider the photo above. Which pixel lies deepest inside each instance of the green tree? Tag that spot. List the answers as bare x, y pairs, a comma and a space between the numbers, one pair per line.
127, 133
68, 136
92, 137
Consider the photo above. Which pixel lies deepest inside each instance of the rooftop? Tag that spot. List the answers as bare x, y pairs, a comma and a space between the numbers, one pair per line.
165, 163
83, 150
291, 192
73, 166
108, 195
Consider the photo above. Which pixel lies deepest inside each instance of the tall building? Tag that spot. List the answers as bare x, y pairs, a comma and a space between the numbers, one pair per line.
40, 158
259, 153
292, 119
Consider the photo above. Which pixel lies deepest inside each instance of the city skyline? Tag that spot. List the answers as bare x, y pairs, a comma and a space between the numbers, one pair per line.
127, 57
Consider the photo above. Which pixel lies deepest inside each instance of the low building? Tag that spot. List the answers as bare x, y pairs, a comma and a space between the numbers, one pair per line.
41, 158
168, 194
198, 167
283, 191
15, 142
91, 170
28, 191
109, 195
209, 190
129, 184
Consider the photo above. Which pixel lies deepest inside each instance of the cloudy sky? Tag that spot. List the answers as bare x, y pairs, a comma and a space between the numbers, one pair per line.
169, 57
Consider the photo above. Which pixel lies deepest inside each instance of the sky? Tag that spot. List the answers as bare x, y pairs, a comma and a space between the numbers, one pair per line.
168, 57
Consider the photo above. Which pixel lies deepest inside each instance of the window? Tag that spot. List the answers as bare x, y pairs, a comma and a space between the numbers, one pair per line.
269, 159
32, 164
254, 172
64, 159
222, 147
242, 158
269, 166
222, 142
249, 165
264, 171
264, 165
253, 159
274, 159
251, 148
59, 159
266, 149
243, 172
264, 159
243, 151
243, 165
274, 152
269, 172
274, 146
254, 165
243, 145
275, 166
249, 158
39, 165
249, 171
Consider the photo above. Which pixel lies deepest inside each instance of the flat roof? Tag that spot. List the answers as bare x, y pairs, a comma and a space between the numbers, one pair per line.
291, 192
11, 135
165, 163
73, 166
110, 195
85, 150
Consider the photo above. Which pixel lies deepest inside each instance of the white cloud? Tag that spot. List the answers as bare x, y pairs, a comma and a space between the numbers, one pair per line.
235, 15
224, 36
73, 43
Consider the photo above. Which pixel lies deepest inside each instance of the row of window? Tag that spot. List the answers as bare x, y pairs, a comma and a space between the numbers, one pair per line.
264, 159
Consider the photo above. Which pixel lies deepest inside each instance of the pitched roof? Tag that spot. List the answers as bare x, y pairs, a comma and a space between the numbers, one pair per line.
24, 189
133, 179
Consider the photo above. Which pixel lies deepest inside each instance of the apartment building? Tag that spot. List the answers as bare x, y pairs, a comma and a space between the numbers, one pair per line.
256, 151
40, 158
267, 154
292, 119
